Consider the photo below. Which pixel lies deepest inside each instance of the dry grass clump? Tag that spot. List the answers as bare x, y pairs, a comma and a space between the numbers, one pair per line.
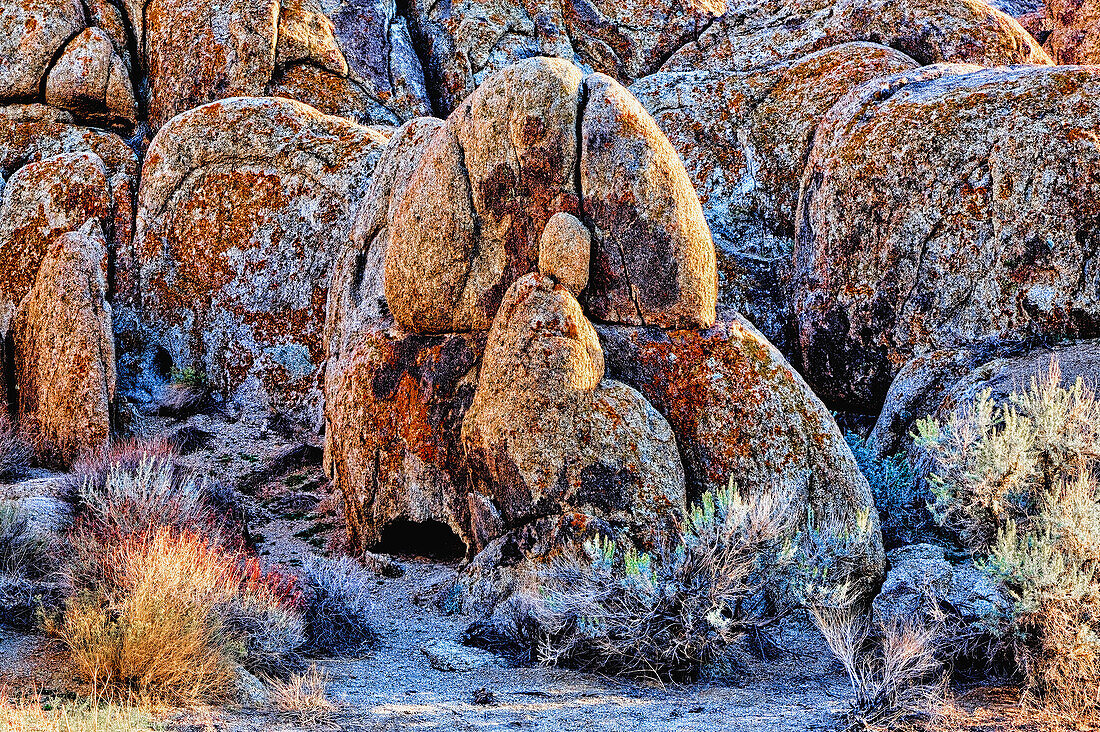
667, 615
337, 607
897, 679
303, 698
166, 603
172, 617
32, 713
1016, 484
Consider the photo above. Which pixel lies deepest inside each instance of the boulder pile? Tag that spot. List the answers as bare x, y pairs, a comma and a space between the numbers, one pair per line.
564, 305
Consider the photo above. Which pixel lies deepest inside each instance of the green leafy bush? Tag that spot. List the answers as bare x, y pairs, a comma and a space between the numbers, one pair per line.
1015, 483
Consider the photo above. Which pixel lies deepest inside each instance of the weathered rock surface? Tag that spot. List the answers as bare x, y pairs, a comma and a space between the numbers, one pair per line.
943, 382
565, 248
469, 222
653, 260
32, 32
64, 350
197, 52
39, 203
546, 435
357, 296
33, 133
92, 80
744, 138
1071, 29
243, 206
466, 42
394, 407
931, 31
741, 413
943, 208
922, 583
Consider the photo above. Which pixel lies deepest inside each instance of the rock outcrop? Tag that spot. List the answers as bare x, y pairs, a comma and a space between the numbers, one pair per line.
930, 31
394, 408
942, 208
64, 351
92, 81
744, 137
741, 413
469, 222
32, 134
39, 203
1070, 30
467, 42
947, 381
197, 52
243, 206
547, 435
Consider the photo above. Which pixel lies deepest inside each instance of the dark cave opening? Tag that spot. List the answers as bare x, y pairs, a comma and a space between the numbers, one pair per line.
430, 539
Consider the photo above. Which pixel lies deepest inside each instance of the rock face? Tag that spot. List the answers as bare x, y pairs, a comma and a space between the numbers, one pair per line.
744, 137
930, 31
741, 413
653, 259
958, 239
468, 224
1071, 29
198, 52
31, 34
546, 434
47, 54
922, 583
242, 208
91, 80
64, 351
33, 134
42, 201
394, 408
467, 42
943, 382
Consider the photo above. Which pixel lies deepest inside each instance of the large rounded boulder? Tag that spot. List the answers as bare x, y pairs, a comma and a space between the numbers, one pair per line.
930, 31
469, 222
744, 137
944, 207
546, 434
243, 207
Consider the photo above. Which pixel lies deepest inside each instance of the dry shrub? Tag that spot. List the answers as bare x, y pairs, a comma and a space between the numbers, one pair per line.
166, 601
303, 698
24, 552
1015, 483
166, 618
337, 607
15, 452
895, 674
671, 614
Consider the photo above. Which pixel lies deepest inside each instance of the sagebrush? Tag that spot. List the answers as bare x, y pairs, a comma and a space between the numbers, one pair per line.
337, 607
672, 613
902, 508
1015, 483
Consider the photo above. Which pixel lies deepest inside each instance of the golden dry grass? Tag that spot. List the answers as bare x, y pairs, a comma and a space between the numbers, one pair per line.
303, 698
156, 630
32, 713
